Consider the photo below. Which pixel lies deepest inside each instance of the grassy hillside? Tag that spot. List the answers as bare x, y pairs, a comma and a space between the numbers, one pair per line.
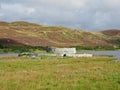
24, 33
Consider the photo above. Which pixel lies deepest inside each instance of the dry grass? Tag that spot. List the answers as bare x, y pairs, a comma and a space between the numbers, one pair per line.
39, 35
97, 73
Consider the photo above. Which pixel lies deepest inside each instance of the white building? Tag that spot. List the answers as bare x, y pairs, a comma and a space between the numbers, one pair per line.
68, 52
65, 50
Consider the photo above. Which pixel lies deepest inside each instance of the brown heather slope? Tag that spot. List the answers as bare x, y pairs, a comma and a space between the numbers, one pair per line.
113, 33
38, 35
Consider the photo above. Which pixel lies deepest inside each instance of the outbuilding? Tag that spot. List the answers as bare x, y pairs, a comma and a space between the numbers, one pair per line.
67, 52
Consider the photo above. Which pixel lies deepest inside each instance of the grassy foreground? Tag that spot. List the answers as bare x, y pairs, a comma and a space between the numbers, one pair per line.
97, 73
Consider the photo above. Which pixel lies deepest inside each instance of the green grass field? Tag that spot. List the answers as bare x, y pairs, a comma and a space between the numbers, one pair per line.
96, 73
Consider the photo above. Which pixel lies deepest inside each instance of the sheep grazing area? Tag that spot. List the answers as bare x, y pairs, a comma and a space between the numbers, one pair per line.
67, 73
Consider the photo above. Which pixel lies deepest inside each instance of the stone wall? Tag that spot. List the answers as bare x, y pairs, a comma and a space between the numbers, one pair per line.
80, 55
65, 50
75, 55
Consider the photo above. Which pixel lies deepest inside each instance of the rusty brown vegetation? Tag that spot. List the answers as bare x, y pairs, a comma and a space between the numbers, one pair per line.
39, 35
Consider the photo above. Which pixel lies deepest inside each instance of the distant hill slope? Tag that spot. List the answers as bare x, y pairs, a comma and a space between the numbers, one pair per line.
25, 33
113, 33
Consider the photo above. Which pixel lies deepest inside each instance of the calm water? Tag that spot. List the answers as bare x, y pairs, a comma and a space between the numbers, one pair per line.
113, 53
9, 54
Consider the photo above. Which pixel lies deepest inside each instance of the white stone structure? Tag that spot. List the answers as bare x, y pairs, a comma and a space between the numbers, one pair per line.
69, 52
80, 55
65, 50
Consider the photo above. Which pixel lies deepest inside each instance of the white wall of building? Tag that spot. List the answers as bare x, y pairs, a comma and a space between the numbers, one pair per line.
65, 50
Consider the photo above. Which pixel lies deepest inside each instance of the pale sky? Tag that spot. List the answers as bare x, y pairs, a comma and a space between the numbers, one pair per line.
91, 15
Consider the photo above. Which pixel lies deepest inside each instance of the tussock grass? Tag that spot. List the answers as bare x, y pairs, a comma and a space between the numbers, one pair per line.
96, 73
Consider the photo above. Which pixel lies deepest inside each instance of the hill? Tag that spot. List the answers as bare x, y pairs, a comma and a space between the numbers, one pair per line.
113, 33
25, 33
